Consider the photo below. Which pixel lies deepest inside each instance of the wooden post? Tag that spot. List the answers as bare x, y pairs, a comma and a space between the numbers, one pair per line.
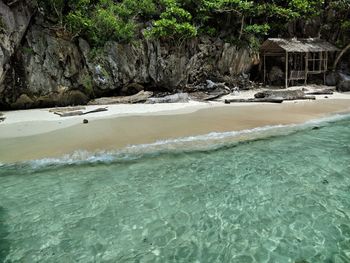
306, 66
286, 69
264, 69
325, 66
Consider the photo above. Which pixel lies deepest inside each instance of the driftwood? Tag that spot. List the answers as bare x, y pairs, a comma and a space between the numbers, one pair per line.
269, 100
78, 113
303, 98
175, 98
68, 113
283, 94
67, 109
321, 92
206, 96
94, 111
215, 96
142, 96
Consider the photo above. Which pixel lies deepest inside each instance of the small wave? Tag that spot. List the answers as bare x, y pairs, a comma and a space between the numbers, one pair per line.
210, 141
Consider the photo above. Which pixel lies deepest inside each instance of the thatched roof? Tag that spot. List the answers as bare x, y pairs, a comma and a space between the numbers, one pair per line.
276, 45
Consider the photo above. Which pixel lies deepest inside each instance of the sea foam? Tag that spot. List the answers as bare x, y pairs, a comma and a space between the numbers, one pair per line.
210, 141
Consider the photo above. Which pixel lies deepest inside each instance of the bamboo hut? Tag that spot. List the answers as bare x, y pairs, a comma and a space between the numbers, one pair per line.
302, 57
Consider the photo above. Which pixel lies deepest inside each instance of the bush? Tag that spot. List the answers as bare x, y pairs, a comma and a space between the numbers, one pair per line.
174, 23
122, 20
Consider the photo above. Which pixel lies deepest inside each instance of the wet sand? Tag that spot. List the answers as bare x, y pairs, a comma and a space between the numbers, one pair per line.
119, 132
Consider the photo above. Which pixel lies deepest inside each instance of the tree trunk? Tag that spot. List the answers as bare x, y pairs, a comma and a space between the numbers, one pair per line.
242, 28
340, 55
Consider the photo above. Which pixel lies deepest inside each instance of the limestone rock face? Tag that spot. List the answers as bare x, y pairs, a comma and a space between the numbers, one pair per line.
14, 21
160, 65
51, 63
48, 68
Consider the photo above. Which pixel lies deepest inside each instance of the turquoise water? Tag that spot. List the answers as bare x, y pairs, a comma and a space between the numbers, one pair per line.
279, 199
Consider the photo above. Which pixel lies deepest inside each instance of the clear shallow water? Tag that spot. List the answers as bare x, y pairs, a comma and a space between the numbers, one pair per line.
278, 199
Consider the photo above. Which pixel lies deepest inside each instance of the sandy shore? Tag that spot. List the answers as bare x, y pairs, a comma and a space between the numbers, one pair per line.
36, 134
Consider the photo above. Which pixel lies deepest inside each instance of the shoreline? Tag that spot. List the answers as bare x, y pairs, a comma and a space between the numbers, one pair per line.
30, 122
145, 124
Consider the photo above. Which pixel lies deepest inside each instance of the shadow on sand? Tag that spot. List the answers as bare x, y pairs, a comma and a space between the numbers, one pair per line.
4, 243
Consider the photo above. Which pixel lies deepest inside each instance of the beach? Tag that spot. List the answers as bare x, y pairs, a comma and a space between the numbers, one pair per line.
36, 134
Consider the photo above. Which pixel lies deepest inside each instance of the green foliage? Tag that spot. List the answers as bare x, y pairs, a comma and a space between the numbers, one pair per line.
345, 25
169, 28
306, 8
101, 20
246, 21
101, 23
257, 30
174, 22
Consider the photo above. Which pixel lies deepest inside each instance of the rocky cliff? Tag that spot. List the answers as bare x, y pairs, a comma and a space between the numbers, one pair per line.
41, 67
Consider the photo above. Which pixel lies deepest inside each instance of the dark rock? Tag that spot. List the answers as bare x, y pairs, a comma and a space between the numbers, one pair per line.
331, 79
2, 117
85, 121
284, 94
46, 101
73, 98
343, 84
325, 181
275, 75
175, 98
131, 89
65, 98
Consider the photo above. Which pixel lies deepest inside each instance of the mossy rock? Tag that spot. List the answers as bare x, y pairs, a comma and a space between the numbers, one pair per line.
45, 102
69, 98
23, 102
73, 98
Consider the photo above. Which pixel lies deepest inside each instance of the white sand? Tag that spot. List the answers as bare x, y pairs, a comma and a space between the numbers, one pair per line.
130, 125
37, 121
